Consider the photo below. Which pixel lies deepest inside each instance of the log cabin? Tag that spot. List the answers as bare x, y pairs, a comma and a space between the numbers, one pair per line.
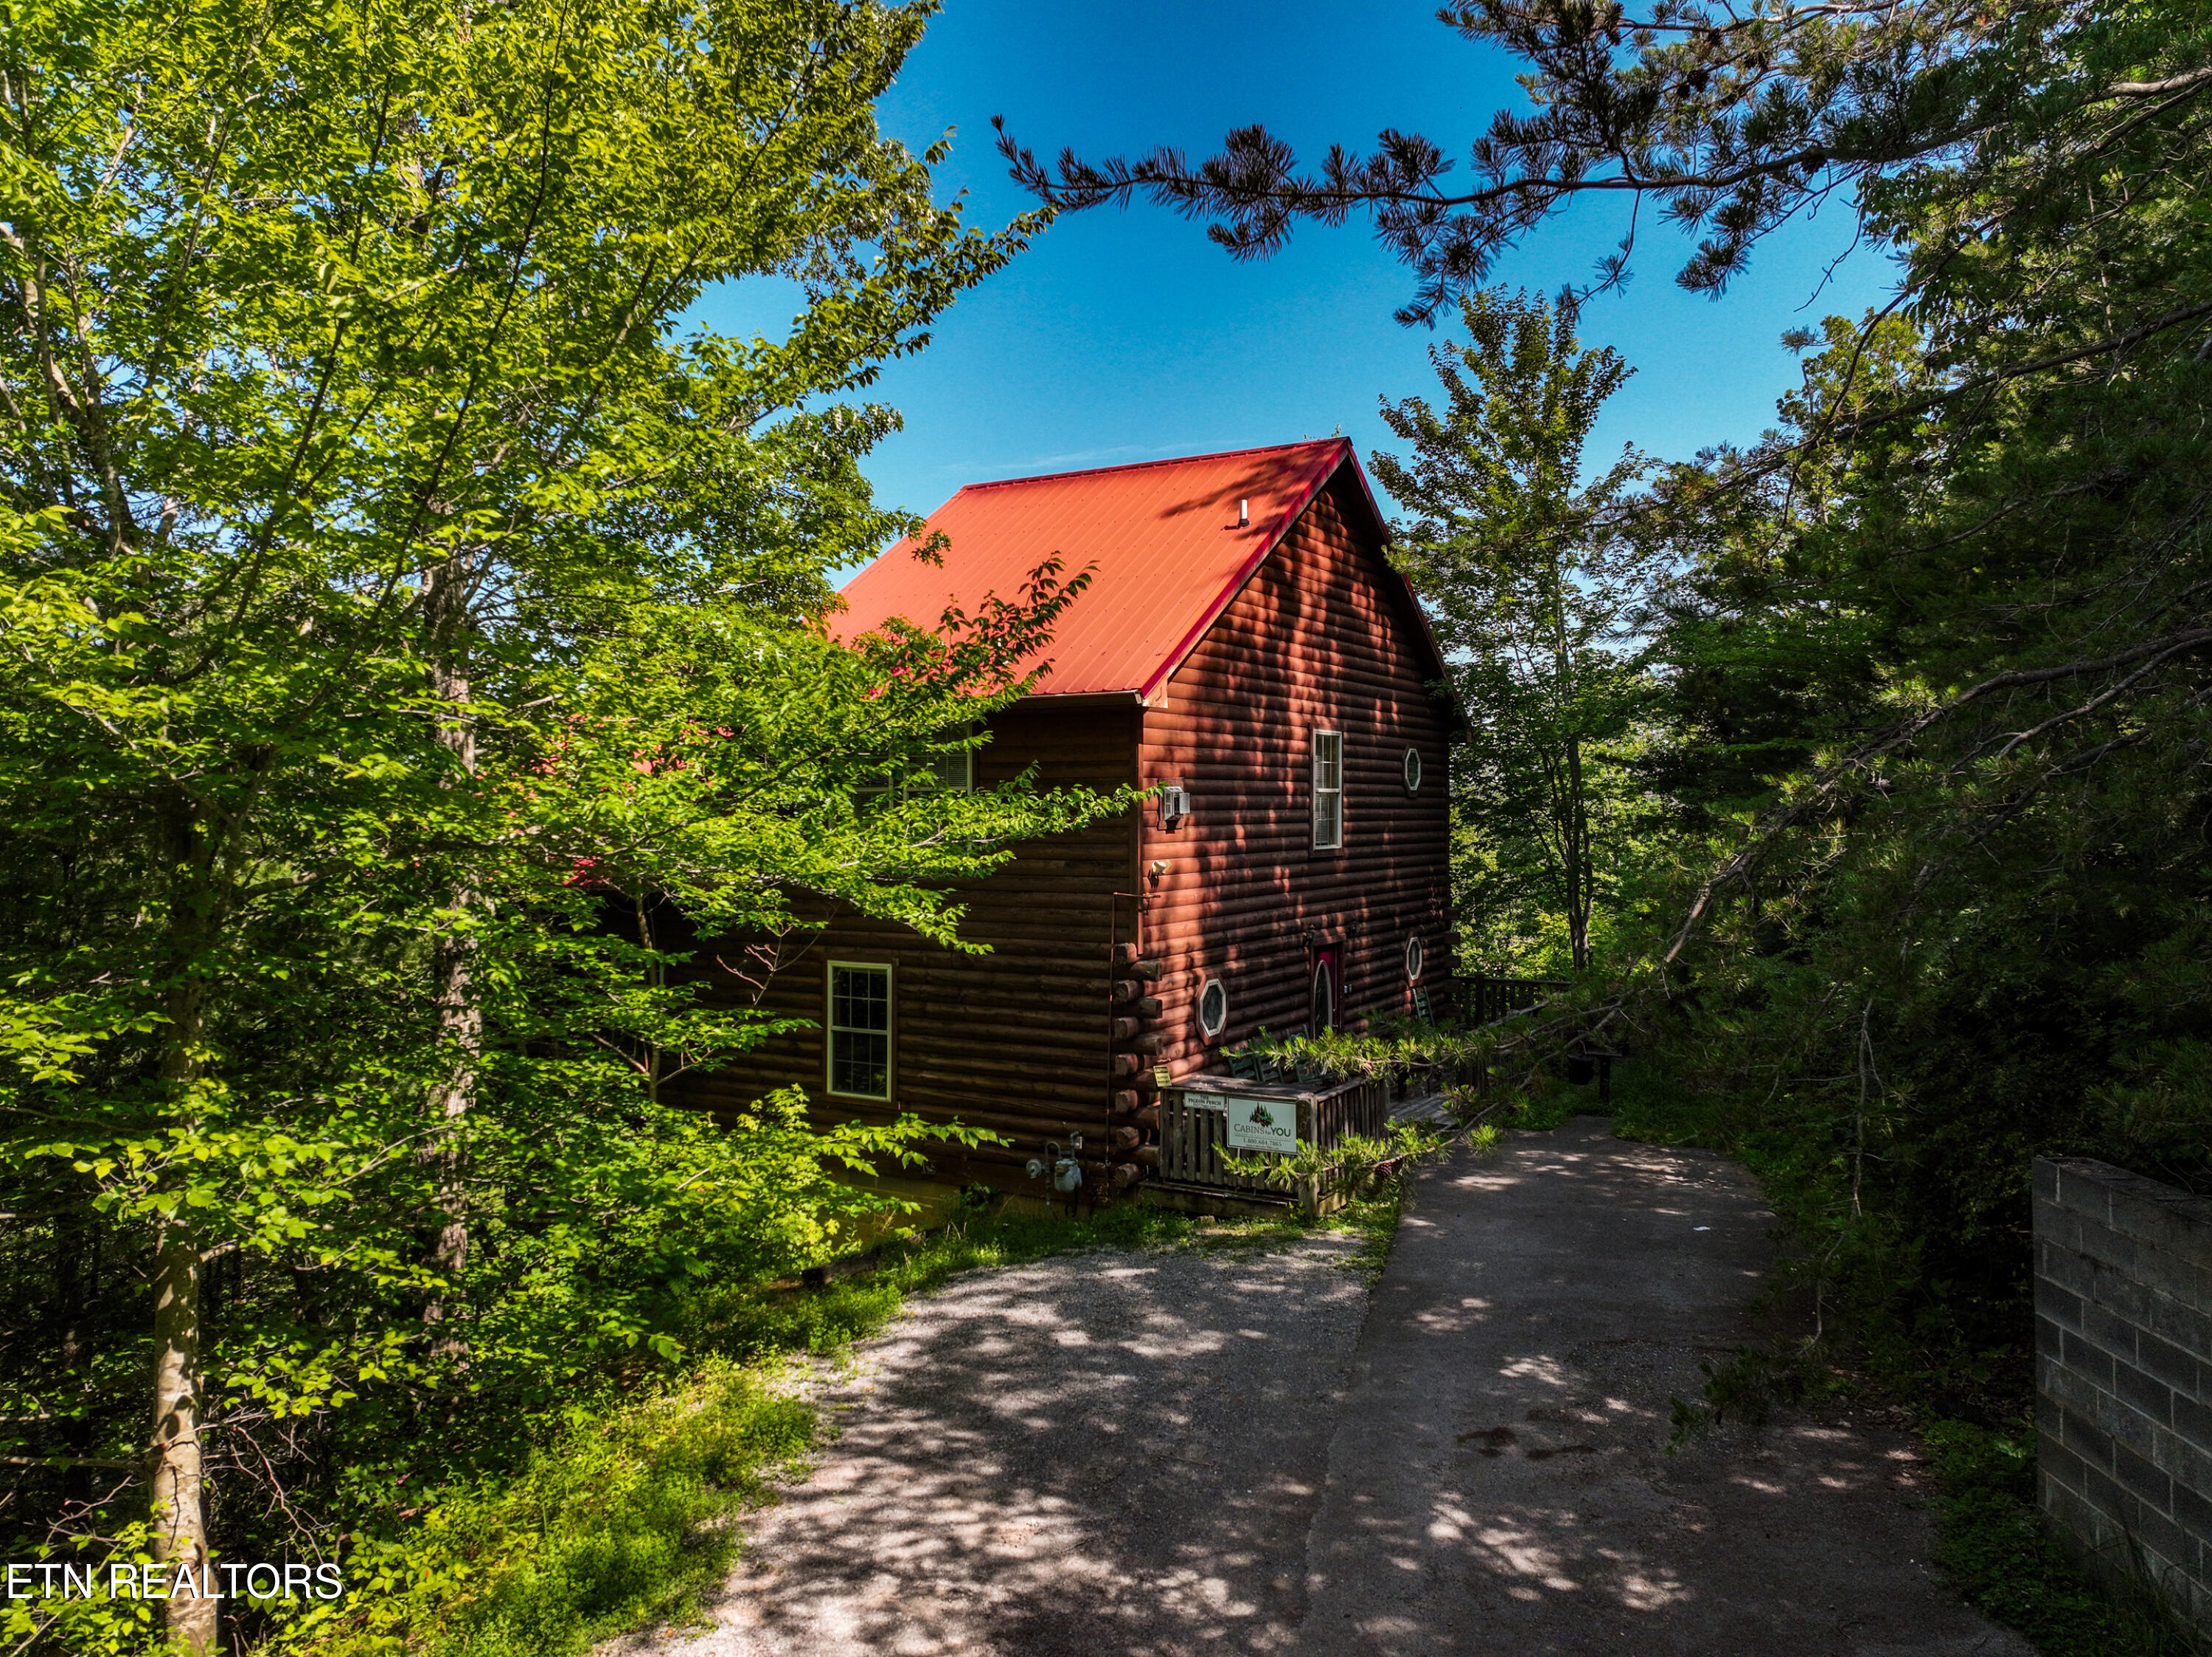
1245, 649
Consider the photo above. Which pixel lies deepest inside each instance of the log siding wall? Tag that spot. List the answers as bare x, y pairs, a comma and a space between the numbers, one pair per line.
1323, 636
1015, 1040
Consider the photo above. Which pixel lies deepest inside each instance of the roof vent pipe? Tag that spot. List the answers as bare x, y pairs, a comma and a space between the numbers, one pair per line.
1243, 514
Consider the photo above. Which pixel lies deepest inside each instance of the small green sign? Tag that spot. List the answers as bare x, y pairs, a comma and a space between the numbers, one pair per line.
1263, 1124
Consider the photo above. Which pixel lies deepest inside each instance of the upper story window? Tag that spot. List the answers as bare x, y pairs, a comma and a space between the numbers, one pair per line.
861, 1029
1327, 790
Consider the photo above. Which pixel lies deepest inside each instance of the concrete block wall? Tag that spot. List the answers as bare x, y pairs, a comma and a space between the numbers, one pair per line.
2124, 1372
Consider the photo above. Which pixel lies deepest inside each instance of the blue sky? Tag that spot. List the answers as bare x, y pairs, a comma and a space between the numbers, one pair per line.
1125, 337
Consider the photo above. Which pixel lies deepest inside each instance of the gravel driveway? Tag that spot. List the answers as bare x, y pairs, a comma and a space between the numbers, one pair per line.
1101, 1452
1227, 1452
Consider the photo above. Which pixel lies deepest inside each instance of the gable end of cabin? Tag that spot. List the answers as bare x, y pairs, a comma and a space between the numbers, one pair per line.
1309, 880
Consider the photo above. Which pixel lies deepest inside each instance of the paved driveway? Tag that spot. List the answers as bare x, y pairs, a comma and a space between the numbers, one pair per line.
1162, 1454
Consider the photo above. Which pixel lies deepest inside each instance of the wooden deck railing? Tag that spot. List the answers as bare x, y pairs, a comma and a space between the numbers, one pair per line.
1477, 1001
1195, 1127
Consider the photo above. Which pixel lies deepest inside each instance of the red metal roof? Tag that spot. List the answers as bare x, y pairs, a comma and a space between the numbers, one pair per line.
1162, 538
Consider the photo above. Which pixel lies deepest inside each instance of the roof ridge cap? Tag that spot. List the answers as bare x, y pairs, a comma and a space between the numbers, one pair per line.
1143, 466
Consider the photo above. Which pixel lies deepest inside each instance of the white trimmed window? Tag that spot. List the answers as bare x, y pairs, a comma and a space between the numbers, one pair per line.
1213, 1008
861, 1029
954, 771
1327, 790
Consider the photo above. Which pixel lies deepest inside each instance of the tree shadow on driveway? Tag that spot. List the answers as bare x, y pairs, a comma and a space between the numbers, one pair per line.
1163, 1454
1501, 1482
1102, 1452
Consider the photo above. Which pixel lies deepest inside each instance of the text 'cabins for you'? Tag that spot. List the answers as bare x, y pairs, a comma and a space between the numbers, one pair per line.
1246, 647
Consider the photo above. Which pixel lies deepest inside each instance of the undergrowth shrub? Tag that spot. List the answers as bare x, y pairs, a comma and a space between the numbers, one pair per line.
608, 1525
1995, 1549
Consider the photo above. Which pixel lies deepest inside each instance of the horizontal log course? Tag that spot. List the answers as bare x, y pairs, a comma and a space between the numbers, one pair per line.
981, 1108
1260, 903
1148, 1119
1264, 840
1258, 672
1127, 989
1092, 886
1148, 1007
950, 1090
1043, 1055
1263, 845
1037, 1125
1071, 1046
1123, 1103
1269, 696
977, 1106
1145, 1156
1046, 941
1126, 1064
999, 932
1126, 1029
1124, 1139
1127, 1174
1148, 1045
1150, 970
1075, 1018
1125, 955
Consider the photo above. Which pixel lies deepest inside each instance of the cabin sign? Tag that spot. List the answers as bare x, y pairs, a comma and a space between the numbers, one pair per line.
1263, 1124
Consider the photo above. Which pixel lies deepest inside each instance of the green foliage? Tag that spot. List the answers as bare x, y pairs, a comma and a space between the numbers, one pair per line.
612, 1524
1997, 1551
1359, 1161
1724, 122
1534, 590
417, 649
104, 1623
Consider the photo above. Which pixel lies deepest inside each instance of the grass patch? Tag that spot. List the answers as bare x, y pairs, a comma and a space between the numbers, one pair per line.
621, 1521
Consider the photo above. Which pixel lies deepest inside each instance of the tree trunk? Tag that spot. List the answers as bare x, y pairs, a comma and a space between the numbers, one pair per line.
460, 1034
175, 1461
460, 1018
1579, 884
175, 1472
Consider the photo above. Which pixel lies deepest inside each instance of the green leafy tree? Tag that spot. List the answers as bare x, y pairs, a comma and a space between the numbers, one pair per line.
1948, 917
1536, 589
395, 596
